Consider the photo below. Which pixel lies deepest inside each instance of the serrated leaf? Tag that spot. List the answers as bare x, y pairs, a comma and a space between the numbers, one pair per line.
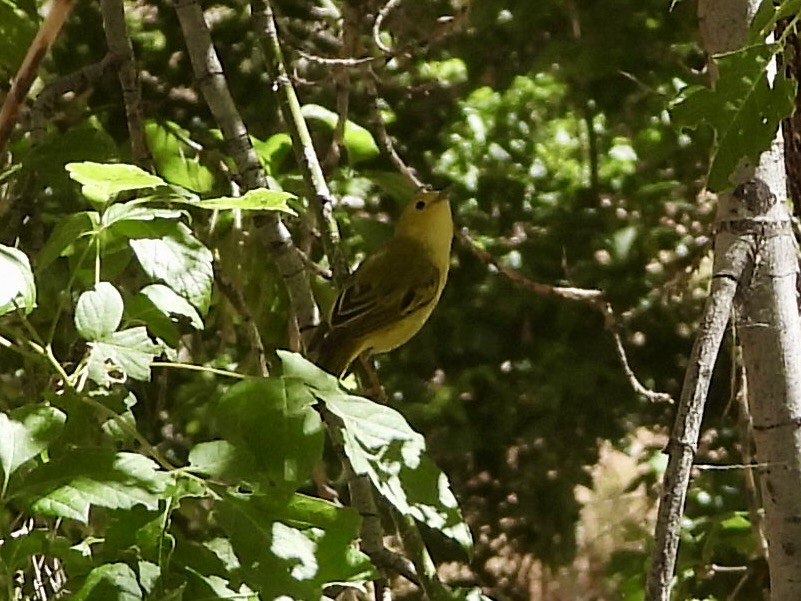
274, 419
743, 108
278, 559
70, 229
381, 445
122, 355
763, 23
101, 182
17, 287
358, 141
25, 432
70, 485
260, 199
168, 252
98, 312
110, 582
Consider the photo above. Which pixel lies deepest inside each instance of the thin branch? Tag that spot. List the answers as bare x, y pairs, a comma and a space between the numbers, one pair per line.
237, 300
265, 27
651, 395
684, 439
594, 298
414, 546
379, 21
338, 62
76, 82
385, 142
48, 31
350, 40
119, 44
209, 74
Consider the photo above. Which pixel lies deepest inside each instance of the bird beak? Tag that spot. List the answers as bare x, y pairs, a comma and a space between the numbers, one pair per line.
444, 194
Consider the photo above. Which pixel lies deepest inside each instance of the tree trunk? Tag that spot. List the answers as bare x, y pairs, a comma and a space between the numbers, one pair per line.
767, 321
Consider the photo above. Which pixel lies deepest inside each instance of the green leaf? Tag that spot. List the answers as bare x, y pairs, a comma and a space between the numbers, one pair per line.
222, 460
275, 420
215, 587
173, 306
768, 15
67, 231
260, 199
110, 582
25, 432
122, 355
17, 30
87, 142
743, 108
70, 485
134, 211
381, 445
99, 312
166, 314
168, 252
358, 141
17, 287
177, 157
279, 559
101, 182
272, 151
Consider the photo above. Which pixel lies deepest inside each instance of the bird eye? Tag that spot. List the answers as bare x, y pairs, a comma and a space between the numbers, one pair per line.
420, 205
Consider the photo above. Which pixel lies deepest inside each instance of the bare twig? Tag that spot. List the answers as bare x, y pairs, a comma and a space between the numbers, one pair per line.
119, 44
379, 21
264, 24
686, 430
73, 82
350, 39
592, 297
237, 300
209, 74
384, 140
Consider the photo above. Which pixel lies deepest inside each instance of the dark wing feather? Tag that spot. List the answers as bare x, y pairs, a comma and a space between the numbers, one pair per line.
388, 285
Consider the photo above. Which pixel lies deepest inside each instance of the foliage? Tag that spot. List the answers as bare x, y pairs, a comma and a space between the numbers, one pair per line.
143, 457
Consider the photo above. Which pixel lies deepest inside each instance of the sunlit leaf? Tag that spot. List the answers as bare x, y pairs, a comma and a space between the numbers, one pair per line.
110, 582
260, 199
17, 287
168, 252
744, 108
358, 141
101, 182
177, 158
71, 484
122, 355
274, 419
25, 432
98, 312
381, 445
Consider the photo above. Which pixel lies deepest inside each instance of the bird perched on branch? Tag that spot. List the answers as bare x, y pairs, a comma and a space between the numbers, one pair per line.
393, 292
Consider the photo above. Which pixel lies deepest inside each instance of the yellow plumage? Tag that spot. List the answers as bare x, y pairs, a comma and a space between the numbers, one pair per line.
393, 292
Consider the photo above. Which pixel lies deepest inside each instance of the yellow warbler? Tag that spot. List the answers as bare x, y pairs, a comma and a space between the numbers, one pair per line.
392, 293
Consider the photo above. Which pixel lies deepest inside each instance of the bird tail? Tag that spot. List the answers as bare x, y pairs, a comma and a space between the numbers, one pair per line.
332, 353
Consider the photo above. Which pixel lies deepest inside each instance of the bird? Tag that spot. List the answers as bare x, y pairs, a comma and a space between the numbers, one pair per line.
392, 293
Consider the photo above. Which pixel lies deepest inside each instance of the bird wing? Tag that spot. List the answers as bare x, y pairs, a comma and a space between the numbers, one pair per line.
387, 286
